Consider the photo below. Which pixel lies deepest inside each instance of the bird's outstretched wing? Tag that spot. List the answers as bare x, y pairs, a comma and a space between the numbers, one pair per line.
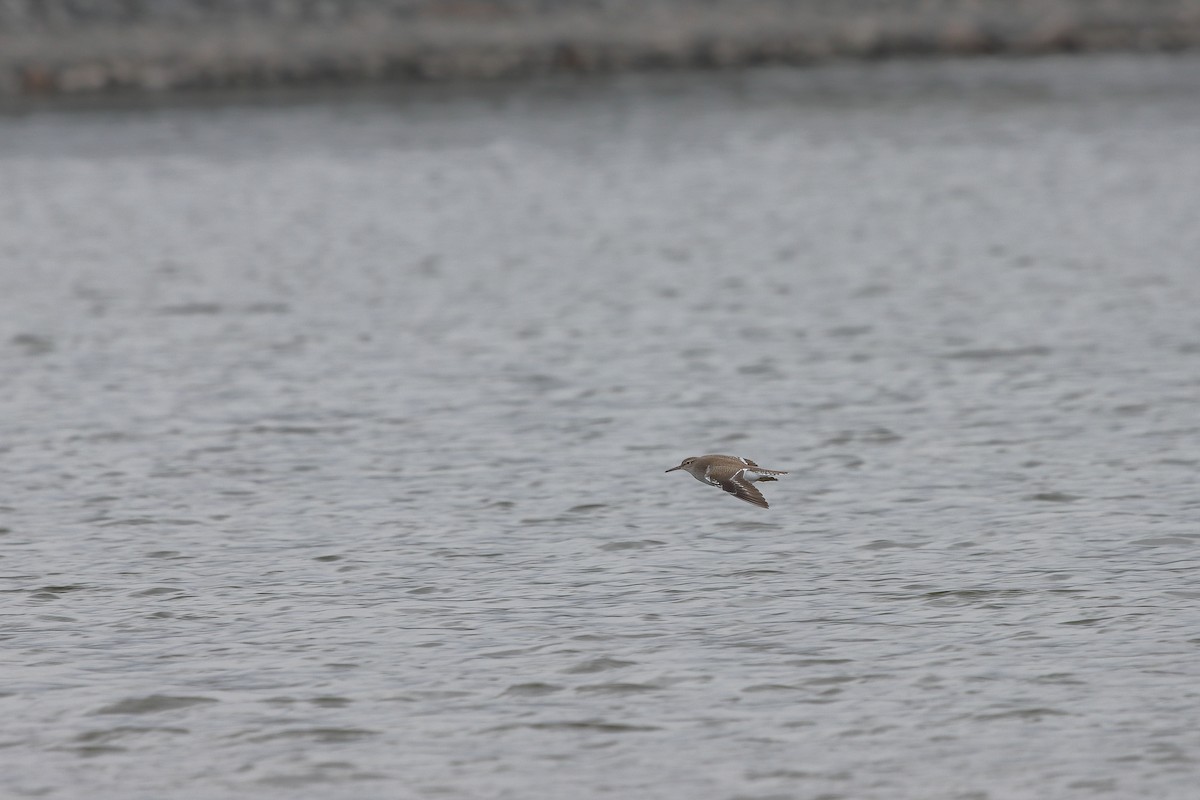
743, 490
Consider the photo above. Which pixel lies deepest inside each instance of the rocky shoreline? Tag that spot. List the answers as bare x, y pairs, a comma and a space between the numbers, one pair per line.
72, 46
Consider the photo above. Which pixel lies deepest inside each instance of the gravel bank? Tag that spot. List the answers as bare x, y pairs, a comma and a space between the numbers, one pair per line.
74, 46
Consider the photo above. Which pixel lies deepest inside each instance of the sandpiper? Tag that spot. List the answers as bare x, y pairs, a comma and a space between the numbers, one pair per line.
734, 475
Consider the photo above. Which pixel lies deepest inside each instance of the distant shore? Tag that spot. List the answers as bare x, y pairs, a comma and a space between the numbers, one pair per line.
64, 47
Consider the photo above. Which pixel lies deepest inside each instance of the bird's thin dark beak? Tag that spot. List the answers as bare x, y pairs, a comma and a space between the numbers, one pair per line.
672, 469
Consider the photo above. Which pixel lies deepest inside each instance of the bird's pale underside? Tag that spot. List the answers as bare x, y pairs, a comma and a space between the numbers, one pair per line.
735, 475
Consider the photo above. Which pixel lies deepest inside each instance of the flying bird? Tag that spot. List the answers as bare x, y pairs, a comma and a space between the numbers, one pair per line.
735, 475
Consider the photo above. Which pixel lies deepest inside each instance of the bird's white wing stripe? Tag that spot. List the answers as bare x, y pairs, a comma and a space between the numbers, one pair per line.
744, 490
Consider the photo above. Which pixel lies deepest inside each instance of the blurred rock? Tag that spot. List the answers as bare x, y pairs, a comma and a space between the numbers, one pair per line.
68, 46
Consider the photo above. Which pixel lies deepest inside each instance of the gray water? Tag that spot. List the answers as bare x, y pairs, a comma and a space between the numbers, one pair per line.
333, 430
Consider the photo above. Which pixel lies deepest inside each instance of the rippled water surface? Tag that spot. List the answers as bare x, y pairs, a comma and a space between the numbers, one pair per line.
333, 430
